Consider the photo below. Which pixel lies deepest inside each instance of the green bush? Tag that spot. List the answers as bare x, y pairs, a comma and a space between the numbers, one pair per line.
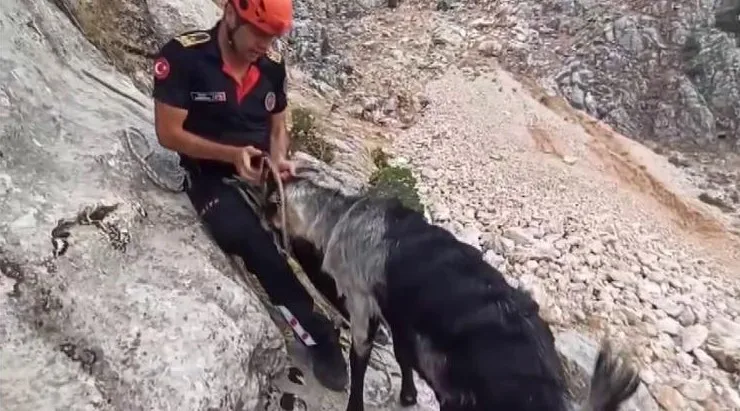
395, 181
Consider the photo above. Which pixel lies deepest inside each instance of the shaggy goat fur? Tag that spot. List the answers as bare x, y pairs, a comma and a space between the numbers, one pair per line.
479, 343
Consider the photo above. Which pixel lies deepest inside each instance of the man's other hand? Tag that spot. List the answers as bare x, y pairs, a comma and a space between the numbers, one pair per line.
248, 163
285, 167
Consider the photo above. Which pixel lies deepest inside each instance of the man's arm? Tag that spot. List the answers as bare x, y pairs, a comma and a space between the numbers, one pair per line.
172, 100
279, 139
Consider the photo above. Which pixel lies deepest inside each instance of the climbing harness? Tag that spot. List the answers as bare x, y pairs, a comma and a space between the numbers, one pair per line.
254, 196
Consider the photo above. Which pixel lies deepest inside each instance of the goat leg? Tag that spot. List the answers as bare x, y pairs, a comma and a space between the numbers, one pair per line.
403, 349
359, 357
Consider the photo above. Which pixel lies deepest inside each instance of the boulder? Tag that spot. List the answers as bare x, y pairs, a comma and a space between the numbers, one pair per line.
723, 344
125, 303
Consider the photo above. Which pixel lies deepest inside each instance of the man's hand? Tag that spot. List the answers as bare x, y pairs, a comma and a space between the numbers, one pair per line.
248, 163
285, 167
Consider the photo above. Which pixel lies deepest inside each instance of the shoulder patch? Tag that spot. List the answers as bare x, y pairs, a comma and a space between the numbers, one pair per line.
274, 53
193, 39
161, 68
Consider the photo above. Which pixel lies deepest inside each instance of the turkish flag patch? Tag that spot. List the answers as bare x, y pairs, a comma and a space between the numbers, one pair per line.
161, 68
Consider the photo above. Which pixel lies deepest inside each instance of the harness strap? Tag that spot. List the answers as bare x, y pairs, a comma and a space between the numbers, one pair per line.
251, 196
255, 194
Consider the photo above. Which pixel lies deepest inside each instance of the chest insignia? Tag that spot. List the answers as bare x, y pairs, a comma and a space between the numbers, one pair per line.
208, 96
192, 39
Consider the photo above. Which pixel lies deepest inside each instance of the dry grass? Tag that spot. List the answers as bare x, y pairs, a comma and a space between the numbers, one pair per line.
380, 158
120, 30
306, 135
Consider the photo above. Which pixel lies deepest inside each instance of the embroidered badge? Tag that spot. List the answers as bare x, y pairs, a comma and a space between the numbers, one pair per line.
161, 68
192, 39
270, 101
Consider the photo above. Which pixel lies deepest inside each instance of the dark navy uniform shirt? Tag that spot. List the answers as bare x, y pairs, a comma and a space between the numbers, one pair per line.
189, 73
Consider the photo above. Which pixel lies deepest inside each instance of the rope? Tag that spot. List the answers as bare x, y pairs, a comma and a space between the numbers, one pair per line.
142, 160
325, 306
247, 191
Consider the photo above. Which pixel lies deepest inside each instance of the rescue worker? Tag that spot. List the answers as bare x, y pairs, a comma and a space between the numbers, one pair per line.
220, 100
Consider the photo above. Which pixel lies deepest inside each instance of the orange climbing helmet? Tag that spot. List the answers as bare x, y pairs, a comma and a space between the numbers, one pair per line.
274, 17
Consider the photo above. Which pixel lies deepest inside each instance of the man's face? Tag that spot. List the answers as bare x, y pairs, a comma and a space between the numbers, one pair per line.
249, 42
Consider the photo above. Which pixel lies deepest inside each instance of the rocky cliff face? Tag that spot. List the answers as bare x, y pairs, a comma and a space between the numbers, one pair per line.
112, 297
320, 25
665, 73
655, 70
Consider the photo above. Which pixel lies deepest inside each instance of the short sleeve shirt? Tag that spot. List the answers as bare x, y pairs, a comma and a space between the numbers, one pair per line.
189, 73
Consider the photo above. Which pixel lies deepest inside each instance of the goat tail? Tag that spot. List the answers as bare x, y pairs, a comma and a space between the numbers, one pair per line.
613, 381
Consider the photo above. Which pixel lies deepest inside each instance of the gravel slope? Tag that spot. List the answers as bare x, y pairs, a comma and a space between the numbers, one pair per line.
606, 244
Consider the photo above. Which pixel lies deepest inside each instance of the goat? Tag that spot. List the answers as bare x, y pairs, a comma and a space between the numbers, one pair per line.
479, 343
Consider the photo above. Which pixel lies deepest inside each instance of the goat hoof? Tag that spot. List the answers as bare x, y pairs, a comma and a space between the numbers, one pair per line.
408, 399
